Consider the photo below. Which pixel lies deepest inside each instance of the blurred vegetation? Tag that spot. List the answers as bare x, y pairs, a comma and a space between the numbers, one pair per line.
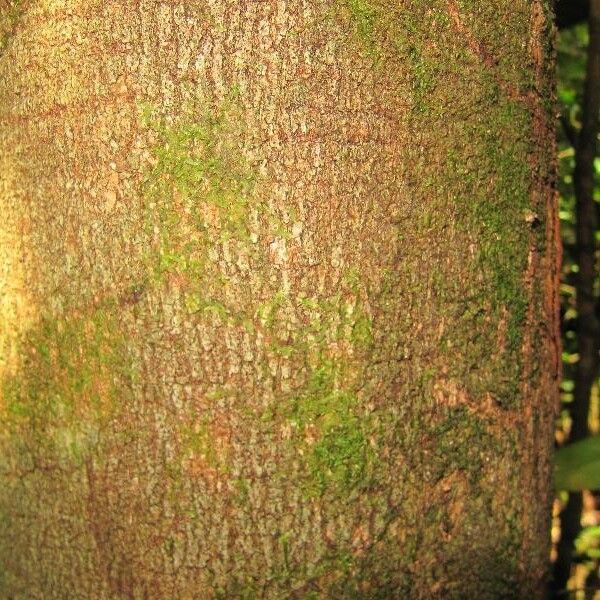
571, 58
577, 464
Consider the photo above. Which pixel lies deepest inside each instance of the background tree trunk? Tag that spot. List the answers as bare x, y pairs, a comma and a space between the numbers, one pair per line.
277, 299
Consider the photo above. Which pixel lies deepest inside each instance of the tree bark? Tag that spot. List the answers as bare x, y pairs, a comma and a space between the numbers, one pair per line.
278, 299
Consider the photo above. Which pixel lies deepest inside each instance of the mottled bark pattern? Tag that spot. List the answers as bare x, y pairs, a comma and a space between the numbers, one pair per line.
277, 298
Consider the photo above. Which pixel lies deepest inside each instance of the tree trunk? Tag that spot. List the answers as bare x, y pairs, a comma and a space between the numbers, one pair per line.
278, 298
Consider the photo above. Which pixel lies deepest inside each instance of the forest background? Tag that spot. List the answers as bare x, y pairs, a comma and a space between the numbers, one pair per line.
576, 530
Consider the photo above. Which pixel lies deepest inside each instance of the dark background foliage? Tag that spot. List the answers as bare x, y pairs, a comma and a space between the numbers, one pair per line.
576, 530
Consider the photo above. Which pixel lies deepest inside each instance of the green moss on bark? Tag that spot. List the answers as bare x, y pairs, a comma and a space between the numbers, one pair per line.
493, 210
327, 418
198, 191
10, 15
487, 169
364, 16
71, 382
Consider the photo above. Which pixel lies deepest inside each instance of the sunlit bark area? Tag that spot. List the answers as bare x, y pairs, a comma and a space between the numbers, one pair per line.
277, 298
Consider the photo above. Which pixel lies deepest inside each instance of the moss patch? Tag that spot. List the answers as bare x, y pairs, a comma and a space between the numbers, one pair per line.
469, 108
72, 380
492, 210
198, 191
329, 424
334, 431
9, 19
364, 16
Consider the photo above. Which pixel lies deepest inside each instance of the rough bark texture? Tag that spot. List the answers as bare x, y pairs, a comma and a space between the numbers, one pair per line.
278, 298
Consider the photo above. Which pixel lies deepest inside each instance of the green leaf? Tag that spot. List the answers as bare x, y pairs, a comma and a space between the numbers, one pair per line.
577, 466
